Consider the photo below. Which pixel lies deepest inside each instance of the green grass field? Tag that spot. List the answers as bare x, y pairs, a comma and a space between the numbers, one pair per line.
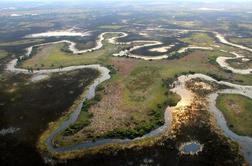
20, 42
199, 39
244, 41
237, 110
142, 92
82, 121
187, 24
239, 64
3, 54
54, 57
113, 27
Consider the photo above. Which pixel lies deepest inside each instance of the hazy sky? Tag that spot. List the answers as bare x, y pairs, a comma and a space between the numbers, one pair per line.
99, 2
123, 0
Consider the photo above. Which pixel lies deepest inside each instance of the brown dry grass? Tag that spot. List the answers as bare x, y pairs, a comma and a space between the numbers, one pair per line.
124, 65
107, 115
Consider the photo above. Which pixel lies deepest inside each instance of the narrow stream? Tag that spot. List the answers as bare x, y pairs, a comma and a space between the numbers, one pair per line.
186, 96
244, 141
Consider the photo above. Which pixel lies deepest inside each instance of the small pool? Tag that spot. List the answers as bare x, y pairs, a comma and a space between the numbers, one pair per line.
190, 148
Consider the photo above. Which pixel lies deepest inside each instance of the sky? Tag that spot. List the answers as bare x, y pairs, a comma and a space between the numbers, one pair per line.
120, 0
109, 2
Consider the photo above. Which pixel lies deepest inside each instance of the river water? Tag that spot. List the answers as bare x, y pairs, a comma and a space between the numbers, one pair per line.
186, 96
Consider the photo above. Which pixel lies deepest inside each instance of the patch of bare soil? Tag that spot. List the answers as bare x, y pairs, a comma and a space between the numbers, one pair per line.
107, 115
234, 107
124, 65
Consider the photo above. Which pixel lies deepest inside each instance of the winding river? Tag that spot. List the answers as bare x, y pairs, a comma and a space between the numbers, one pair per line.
186, 95
222, 61
104, 75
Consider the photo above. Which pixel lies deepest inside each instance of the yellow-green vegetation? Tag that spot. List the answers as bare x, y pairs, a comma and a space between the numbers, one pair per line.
53, 56
141, 92
82, 121
187, 24
146, 94
139, 85
113, 27
44, 24
237, 110
243, 41
84, 117
199, 39
20, 42
213, 55
224, 25
239, 64
144, 98
3, 54
148, 142
240, 40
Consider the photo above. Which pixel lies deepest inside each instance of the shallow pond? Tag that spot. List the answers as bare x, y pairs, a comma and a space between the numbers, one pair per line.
190, 148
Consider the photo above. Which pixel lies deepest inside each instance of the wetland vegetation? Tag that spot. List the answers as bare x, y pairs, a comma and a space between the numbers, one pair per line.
49, 84
237, 110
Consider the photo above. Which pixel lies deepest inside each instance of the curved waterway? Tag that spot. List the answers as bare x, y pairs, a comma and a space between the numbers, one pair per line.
104, 75
222, 39
222, 61
99, 44
244, 141
186, 96
102, 141
186, 99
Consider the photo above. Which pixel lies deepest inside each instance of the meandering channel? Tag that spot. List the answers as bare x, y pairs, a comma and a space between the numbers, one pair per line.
104, 75
244, 141
222, 61
186, 95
